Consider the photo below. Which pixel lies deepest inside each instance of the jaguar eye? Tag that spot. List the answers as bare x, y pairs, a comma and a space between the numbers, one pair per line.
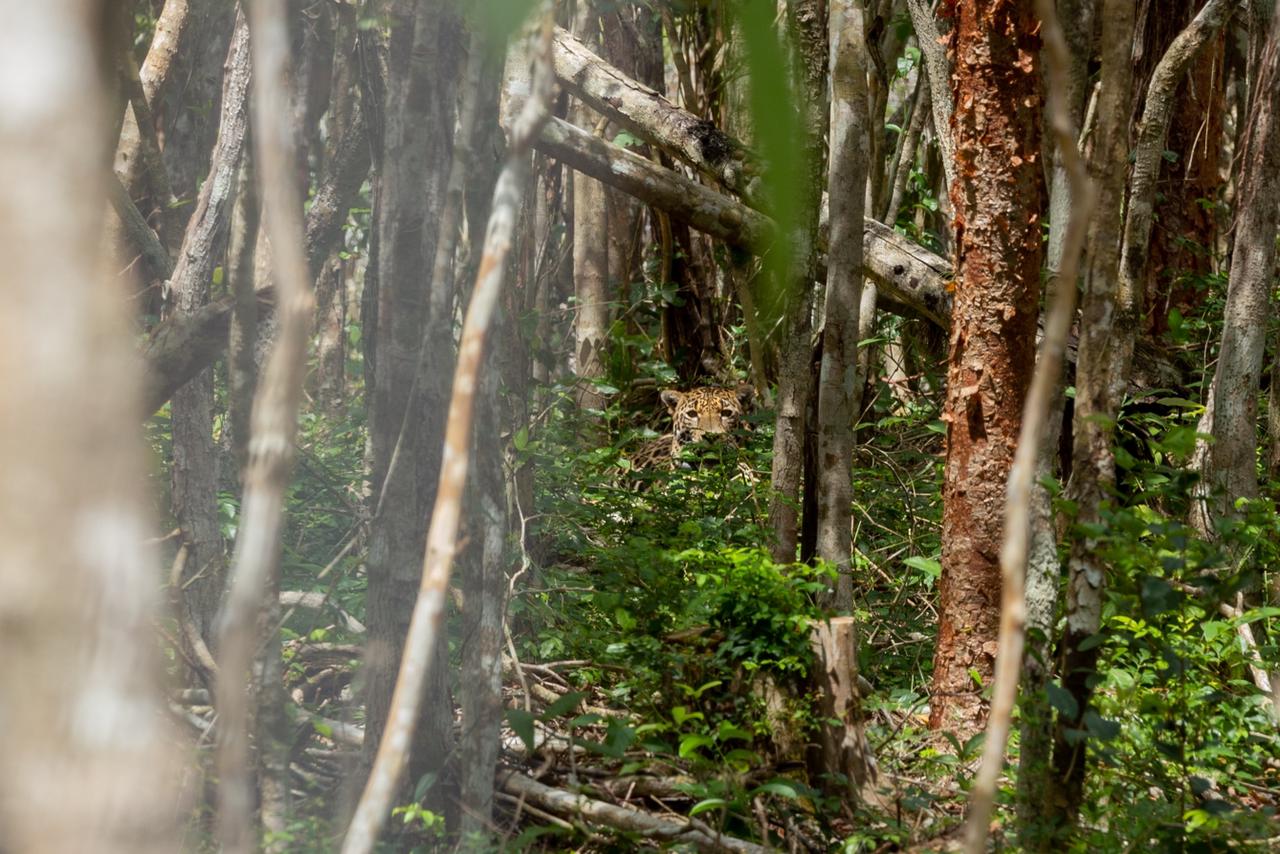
727, 413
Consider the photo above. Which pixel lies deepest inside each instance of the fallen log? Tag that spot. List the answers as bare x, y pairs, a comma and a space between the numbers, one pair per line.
562, 803
647, 113
908, 275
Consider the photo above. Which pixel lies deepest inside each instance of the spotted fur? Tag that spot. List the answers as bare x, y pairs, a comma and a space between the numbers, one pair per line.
696, 415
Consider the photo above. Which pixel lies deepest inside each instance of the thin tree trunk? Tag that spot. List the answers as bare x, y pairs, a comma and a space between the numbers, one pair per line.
1077, 21
807, 20
1181, 244
997, 194
86, 760
243, 334
428, 610
1228, 464
837, 380
411, 342
485, 580
273, 428
590, 251
937, 68
189, 135
1092, 461
194, 490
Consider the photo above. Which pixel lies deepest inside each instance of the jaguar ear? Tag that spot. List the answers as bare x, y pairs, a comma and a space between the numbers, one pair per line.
671, 398
746, 394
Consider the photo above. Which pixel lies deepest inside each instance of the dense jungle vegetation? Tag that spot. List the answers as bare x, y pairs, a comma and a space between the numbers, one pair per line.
629, 425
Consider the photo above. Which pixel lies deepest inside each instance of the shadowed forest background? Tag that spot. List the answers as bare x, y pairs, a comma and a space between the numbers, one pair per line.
613, 425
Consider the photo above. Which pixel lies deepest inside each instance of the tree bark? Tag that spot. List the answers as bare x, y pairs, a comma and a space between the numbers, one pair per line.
1186, 231
590, 252
423, 640
273, 429
837, 380
937, 69
1229, 469
807, 22
996, 193
411, 342
1093, 464
1043, 398
194, 490
644, 111
86, 760
190, 134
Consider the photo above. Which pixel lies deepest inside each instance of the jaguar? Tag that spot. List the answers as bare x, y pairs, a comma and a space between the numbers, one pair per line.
698, 414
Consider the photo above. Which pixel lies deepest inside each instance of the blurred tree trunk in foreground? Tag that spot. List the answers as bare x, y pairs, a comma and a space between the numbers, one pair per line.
85, 761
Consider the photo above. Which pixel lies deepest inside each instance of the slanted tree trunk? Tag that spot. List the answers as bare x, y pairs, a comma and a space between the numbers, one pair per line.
194, 494
1182, 241
997, 195
189, 134
411, 340
86, 761
1228, 464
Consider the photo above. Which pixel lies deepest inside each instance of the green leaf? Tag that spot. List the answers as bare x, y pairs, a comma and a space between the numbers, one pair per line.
1062, 700
930, 568
709, 804
691, 744
1099, 727
625, 139
781, 788
623, 618
727, 732
564, 705
521, 723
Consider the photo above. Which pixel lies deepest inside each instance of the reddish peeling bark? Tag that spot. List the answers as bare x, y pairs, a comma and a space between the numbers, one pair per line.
997, 196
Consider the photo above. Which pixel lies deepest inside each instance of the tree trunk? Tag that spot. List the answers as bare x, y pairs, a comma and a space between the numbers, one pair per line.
997, 194
411, 340
837, 380
1181, 247
807, 20
590, 250
1092, 461
188, 133
1229, 469
80, 678
194, 493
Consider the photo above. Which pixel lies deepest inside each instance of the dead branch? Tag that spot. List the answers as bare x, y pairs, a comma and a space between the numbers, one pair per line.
907, 273
560, 802
402, 717
314, 600
273, 422
154, 255
649, 114
1044, 382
